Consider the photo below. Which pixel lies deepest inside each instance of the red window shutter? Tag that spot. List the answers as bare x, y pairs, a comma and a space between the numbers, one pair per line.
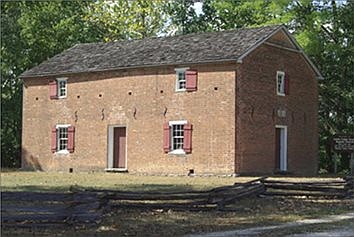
54, 139
286, 80
187, 141
166, 137
191, 80
71, 139
53, 90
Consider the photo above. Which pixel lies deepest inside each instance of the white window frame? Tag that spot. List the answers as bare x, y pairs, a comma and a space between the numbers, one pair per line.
171, 123
62, 79
64, 151
282, 83
178, 71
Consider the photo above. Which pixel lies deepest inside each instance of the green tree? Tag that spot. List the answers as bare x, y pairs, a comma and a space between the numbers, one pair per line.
183, 17
336, 59
10, 85
324, 28
124, 19
32, 32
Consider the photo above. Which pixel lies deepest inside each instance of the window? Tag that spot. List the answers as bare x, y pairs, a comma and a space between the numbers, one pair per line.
62, 87
177, 138
58, 88
181, 79
186, 80
280, 83
63, 137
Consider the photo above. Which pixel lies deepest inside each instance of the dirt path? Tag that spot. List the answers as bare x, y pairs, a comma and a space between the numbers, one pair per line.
256, 231
346, 232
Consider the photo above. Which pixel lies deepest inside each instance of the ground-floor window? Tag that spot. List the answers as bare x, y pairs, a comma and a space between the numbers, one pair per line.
63, 138
177, 137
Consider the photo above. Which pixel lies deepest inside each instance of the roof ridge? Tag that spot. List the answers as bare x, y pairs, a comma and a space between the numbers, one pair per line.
182, 35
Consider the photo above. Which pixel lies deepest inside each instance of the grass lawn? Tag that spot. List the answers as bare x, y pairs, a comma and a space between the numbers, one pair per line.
42, 181
130, 222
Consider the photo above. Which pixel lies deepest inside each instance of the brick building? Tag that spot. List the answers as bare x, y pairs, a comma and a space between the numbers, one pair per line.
231, 102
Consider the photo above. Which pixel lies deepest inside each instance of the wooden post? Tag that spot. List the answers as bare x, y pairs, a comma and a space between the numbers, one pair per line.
352, 164
335, 163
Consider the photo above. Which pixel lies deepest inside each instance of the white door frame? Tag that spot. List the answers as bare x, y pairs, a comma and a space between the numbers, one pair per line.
283, 147
110, 147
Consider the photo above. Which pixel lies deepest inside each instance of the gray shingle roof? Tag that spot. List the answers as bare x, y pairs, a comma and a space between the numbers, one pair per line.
182, 49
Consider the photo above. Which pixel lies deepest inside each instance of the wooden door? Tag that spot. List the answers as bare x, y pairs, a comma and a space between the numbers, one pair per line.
281, 147
277, 149
119, 147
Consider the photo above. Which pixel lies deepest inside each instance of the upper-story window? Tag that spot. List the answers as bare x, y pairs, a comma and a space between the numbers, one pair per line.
280, 83
181, 79
62, 87
186, 79
58, 88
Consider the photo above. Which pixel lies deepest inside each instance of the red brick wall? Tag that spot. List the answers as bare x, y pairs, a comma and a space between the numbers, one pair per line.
256, 111
246, 106
212, 113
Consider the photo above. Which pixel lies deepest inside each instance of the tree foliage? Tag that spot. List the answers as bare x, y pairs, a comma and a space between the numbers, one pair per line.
324, 28
124, 19
32, 32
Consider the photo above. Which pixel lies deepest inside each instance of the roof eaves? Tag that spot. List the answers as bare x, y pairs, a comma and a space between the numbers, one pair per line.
23, 74
283, 28
123, 68
309, 61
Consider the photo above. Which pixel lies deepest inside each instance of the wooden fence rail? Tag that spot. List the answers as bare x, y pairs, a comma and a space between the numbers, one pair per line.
188, 200
86, 207
31, 209
325, 189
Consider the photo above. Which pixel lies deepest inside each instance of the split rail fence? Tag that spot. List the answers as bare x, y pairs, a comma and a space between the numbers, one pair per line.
36, 210
81, 208
321, 189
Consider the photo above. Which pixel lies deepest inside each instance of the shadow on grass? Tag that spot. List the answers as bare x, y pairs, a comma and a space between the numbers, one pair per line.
164, 188
160, 222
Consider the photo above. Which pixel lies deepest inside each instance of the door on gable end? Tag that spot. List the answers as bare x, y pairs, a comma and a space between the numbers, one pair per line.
281, 138
117, 143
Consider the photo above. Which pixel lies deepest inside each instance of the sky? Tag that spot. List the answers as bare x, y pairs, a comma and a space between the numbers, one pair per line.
198, 7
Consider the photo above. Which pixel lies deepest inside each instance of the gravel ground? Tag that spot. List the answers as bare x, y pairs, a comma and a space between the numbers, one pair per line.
257, 231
